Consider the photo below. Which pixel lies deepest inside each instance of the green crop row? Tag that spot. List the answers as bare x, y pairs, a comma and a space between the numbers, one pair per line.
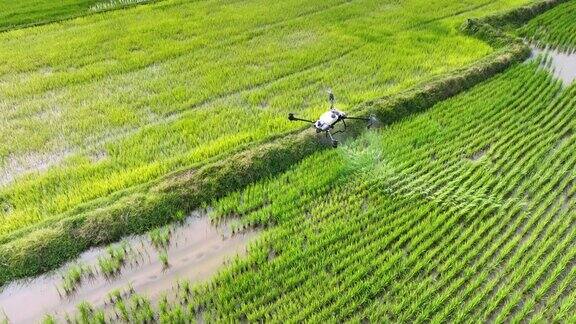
431, 229
556, 28
135, 211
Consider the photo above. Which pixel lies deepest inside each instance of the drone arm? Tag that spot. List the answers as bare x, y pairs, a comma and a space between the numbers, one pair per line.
331, 99
359, 118
366, 119
291, 117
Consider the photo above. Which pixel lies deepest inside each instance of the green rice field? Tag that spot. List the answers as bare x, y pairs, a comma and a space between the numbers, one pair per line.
460, 208
554, 28
102, 103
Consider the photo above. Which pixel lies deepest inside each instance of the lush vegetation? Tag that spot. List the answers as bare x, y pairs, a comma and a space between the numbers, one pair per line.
108, 220
554, 28
25, 13
128, 96
464, 211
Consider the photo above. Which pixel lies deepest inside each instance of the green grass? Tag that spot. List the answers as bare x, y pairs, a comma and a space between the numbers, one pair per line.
132, 95
25, 13
555, 28
465, 211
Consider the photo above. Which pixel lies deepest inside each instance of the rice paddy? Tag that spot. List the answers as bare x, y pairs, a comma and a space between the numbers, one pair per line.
129, 96
105, 276
462, 212
27, 13
554, 28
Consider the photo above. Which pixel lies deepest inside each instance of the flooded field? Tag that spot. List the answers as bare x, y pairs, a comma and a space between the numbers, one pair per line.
561, 64
195, 251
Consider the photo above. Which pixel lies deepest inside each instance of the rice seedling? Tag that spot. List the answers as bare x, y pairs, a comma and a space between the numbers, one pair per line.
49, 319
116, 256
122, 310
163, 305
85, 313
163, 256
160, 237
142, 311
113, 296
73, 276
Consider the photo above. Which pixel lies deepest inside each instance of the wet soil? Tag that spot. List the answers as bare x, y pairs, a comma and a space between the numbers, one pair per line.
197, 249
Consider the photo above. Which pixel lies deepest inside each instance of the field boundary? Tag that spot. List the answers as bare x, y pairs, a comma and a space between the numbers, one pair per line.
515, 17
39, 249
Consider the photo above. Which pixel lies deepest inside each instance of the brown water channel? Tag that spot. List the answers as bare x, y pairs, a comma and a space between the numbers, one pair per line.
197, 249
561, 64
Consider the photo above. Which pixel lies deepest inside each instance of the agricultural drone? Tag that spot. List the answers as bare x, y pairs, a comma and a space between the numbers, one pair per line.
330, 118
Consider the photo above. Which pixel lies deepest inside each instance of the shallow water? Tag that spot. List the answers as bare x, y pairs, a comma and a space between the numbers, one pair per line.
562, 64
197, 249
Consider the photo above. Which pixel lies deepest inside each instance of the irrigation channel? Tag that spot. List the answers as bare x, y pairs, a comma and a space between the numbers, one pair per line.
560, 64
196, 250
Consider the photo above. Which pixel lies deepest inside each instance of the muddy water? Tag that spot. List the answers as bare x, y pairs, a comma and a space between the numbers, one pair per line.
197, 249
562, 65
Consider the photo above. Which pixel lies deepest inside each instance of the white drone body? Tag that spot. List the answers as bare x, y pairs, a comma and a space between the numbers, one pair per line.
328, 119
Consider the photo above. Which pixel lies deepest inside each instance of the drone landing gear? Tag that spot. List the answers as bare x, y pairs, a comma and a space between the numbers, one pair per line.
334, 141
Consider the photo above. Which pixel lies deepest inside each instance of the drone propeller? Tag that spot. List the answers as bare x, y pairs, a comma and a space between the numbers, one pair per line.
331, 98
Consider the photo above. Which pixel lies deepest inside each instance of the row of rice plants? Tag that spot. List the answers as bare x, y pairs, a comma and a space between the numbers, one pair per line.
19, 14
556, 28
